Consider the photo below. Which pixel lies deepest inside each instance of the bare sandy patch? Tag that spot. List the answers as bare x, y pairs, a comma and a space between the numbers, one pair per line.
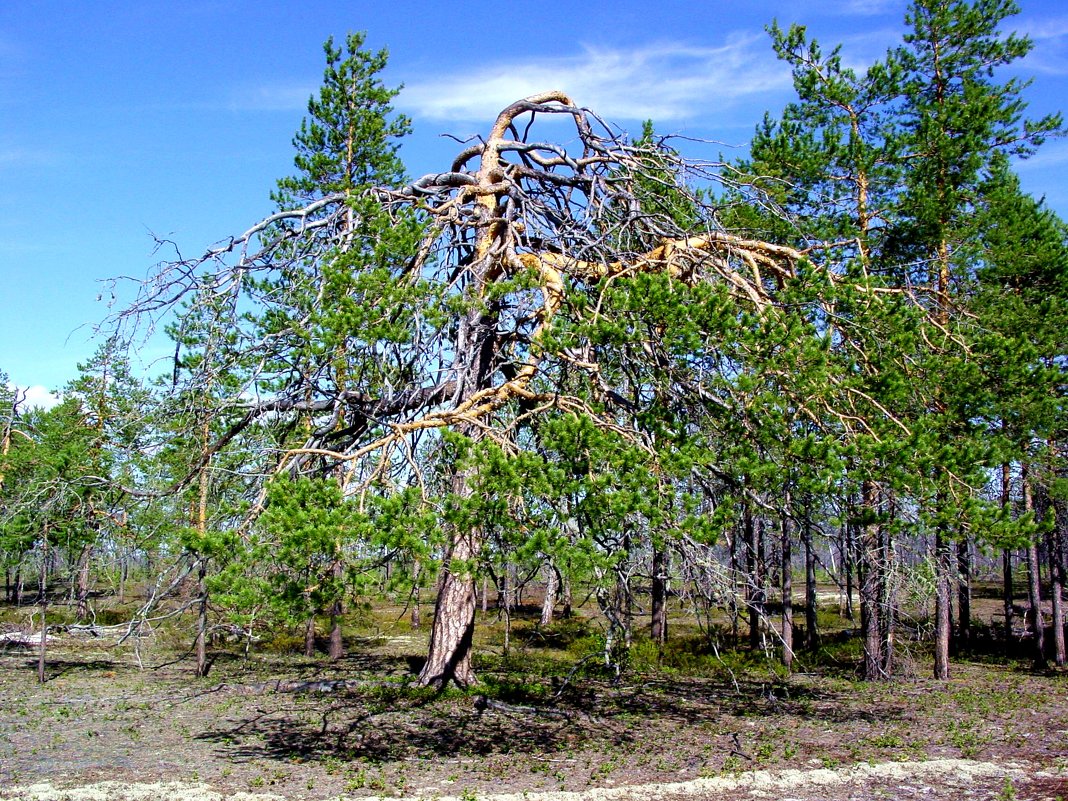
779, 784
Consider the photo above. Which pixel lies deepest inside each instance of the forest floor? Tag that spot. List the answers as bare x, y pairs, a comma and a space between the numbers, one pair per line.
696, 726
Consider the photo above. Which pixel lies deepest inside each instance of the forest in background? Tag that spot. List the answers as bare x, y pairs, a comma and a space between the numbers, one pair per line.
637, 387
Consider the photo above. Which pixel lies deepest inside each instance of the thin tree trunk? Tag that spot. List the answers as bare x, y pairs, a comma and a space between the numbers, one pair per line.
82, 588
964, 595
870, 582
549, 601
1056, 572
735, 573
201, 645
812, 634
658, 602
337, 646
754, 580
849, 563
417, 615
1055, 548
943, 555
624, 596
1034, 587
309, 637
887, 590
41, 656
565, 595
1006, 559
786, 571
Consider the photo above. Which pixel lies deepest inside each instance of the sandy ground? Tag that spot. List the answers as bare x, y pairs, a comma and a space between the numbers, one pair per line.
933, 779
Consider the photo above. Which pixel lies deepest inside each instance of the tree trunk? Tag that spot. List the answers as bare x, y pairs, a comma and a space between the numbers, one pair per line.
1006, 560
786, 570
849, 559
417, 615
658, 602
41, 656
201, 645
82, 588
565, 593
1034, 587
754, 579
451, 634
549, 601
812, 634
870, 582
449, 657
337, 645
309, 637
1054, 548
943, 556
887, 593
964, 595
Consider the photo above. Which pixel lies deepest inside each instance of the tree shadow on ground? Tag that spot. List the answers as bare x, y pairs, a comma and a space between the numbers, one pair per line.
393, 722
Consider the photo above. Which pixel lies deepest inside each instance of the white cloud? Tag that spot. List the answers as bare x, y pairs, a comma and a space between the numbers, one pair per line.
868, 8
1050, 37
36, 395
1052, 154
273, 97
664, 82
22, 157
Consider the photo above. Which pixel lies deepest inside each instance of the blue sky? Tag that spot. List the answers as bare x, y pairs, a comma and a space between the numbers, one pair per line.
120, 120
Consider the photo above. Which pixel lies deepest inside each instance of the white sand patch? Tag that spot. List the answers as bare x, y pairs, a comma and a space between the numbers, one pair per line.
776, 784
125, 791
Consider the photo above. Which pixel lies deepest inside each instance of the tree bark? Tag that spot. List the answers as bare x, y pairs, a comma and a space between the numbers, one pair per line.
337, 646
309, 637
82, 589
417, 614
786, 570
870, 581
887, 592
1006, 559
658, 602
449, 657
812, 634
964, 595
943, 556
1054, 548
754, 577
201, 645
1034, 586
41, 656
549, 601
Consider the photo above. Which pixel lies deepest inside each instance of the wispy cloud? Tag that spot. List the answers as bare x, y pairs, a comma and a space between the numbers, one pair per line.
1052, 154
35, 396
664, 82
291, 96
16, 157
1050, 37
869, 8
